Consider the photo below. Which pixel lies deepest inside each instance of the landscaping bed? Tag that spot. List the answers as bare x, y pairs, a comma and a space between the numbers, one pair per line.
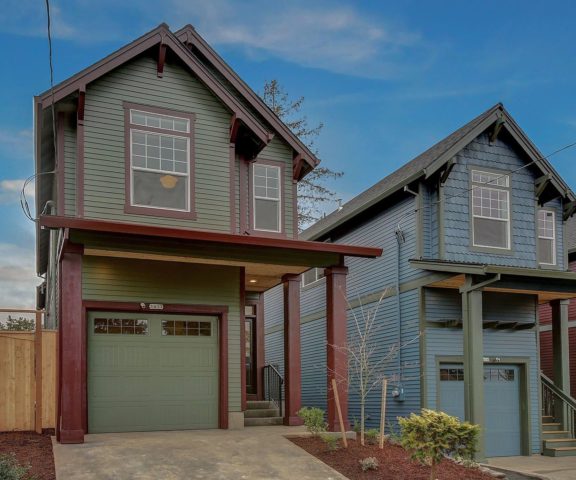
394, 461
31, 449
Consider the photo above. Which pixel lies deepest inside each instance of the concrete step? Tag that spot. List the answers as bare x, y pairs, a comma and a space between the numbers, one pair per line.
547, 418
559, 442
551, 434
560, 452
548, 427
257, 404
261, 413
262, 422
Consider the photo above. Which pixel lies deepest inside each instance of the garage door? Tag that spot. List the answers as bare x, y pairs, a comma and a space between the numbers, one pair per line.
502, 404
151, 372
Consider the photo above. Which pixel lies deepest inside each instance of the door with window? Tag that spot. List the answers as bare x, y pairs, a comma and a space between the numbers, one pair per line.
250, 360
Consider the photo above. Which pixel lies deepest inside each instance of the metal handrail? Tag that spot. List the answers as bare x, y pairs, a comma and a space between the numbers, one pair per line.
273, 382
559, 405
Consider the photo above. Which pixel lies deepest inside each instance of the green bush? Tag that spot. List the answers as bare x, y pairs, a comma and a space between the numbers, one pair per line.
372, 436
369, 463
313, 419
432, 435
331, 442
10, 469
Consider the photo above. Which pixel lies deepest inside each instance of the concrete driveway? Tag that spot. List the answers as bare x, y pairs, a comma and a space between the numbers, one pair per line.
560, 468
255, 453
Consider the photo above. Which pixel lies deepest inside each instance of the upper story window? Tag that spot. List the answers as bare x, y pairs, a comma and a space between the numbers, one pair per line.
312, 275
546, 237
490, 210
160, 162
267, 198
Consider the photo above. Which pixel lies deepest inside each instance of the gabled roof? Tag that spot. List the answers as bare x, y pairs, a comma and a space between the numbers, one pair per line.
430, 162
243, 102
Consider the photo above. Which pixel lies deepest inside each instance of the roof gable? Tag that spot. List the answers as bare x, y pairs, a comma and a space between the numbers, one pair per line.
247, 108
435, 159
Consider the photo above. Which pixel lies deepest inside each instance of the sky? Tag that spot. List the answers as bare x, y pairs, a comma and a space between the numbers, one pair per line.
387, 78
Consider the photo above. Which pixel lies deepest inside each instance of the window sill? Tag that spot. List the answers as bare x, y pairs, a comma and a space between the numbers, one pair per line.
159, 212
492, 250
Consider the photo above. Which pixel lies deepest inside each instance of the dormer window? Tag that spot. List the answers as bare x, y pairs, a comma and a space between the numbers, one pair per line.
490, 200
267, 197
546, 237
159, 161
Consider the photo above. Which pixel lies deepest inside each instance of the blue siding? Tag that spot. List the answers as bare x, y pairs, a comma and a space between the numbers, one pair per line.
314, 374
497, 343
499, 156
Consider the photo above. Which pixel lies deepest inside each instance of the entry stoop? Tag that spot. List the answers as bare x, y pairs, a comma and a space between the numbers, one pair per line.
556, 441
261, 413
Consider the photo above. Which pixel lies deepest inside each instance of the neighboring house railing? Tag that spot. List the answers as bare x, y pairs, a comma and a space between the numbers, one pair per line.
273, 383
558, 405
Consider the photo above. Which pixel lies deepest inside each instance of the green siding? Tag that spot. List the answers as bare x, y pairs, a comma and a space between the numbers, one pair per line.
113, 279
69, 167
137, 82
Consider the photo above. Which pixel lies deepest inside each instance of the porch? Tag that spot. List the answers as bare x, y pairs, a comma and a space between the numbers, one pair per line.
137, 300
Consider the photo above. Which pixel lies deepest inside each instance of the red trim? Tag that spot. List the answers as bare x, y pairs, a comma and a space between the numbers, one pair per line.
243, 186
292, 358
153, 211
61, 202
233, 207
161, 60
252, 230
336, 338
220, 311
260, 346
51, 221
243, 337
72, 346
80, 153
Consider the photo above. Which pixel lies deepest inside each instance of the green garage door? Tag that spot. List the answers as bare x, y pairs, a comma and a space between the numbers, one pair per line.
151, 372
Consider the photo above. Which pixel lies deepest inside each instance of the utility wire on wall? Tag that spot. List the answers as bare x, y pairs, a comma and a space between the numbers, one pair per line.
23, 200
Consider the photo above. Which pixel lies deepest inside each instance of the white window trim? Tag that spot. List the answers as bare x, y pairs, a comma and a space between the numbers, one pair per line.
169, 133
507, 220
260, 197
317, 269
548, 238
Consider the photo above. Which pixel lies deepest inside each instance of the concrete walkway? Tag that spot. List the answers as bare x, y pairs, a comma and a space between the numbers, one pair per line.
255, 453
560, 468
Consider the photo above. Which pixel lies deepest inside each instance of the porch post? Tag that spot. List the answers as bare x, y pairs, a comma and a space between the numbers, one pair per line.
72, 345
473, 361
292, 365
560, 349
336, 338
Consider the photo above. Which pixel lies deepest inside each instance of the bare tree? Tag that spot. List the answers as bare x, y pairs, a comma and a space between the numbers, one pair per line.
314, 195
367, 365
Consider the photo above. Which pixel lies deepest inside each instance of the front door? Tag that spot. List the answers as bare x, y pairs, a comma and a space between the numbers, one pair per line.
250, 364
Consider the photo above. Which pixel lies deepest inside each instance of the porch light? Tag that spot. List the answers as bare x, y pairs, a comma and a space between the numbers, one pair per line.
253, 280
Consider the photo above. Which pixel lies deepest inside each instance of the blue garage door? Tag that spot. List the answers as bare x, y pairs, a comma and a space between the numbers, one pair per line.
502, 399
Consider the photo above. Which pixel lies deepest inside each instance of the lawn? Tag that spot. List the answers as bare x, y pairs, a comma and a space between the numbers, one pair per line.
31, 449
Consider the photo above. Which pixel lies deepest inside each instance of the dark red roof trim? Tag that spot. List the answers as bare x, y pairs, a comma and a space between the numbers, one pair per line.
53, 221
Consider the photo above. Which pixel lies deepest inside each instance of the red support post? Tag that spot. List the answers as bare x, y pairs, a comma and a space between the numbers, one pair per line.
73, 340
292, 360
336, 338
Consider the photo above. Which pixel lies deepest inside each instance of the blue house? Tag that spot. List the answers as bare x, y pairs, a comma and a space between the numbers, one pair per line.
473, 235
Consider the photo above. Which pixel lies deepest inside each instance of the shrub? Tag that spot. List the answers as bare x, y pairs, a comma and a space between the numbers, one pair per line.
10, 469
331, 442
372, 436
369, 463
432, 435
313, 419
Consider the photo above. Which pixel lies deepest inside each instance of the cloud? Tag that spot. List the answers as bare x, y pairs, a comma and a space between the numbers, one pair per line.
18, 280
10, 191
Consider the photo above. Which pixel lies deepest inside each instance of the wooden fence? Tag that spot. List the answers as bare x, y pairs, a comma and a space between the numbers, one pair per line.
28, 369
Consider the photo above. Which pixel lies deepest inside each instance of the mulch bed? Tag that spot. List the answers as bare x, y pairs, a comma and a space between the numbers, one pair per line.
31, 449
395, 463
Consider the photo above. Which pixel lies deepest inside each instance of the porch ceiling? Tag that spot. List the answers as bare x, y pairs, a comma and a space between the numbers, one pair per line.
265, 260
547, 285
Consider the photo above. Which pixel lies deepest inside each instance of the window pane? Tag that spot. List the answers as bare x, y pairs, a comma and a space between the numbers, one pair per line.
151, 189
180, 144
490, 233
546, 251
266, 215
250, 310
490, 178
166, 141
